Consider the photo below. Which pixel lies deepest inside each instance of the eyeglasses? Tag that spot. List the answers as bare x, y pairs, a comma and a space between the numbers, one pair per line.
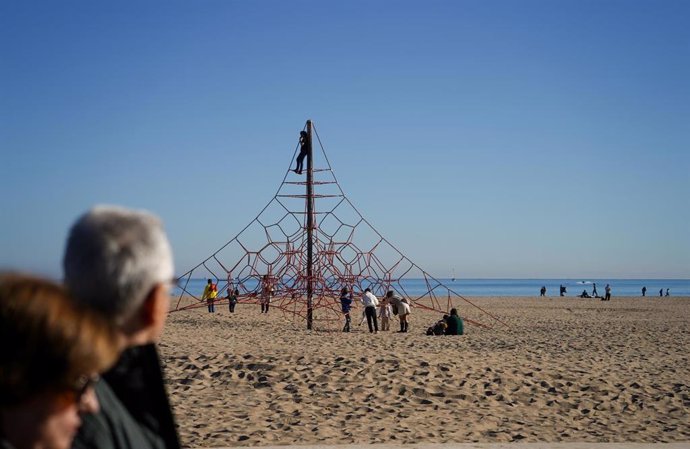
74, 393
82, 385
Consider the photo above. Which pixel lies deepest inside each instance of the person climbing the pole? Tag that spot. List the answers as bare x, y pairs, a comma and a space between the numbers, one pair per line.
346, 306
303, 151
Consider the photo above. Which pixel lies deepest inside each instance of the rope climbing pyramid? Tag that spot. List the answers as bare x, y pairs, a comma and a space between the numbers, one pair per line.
307, 243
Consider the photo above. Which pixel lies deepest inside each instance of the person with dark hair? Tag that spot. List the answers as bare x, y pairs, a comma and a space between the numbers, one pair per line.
50, 357
266, 293
644, 291
303, 151
232, 298
404, 312
661, 292
370, 302
210, 294
346, 306
542, 292
607, 292
595, 294
454, 323
439, 327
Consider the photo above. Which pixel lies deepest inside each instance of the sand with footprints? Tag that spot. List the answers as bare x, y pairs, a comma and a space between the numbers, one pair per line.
561, 369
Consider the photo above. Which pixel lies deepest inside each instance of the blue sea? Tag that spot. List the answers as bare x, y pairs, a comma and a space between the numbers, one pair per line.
521, 287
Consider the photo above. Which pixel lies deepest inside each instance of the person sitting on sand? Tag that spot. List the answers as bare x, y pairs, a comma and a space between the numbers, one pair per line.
454, 323
439, 327
346, 306
584, 294
51, 355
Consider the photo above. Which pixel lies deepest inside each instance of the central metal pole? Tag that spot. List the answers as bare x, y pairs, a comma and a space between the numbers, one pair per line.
310, 228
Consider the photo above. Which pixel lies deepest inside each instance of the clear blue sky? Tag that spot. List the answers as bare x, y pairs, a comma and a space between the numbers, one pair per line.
493, 138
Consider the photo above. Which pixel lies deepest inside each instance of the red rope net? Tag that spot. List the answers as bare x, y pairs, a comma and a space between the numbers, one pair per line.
271, 253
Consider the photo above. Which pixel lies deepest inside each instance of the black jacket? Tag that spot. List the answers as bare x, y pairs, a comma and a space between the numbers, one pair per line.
135, 411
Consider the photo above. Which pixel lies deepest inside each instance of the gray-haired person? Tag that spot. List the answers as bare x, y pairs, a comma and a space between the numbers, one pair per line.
119, 262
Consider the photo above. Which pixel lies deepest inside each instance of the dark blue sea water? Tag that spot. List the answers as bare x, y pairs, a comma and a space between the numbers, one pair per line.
523, 287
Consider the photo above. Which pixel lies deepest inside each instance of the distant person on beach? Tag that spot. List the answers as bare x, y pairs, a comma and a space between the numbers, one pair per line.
401, 307
346, 306
232, 299
644, 291
584, 294
394, 301
119, 263
404, 311
607, 292
454, 324
266, 293
303, 151
562, 290
51, 354
542, 292
595, 294
210, 293
385, 313
661, 292
370, 302
668, 293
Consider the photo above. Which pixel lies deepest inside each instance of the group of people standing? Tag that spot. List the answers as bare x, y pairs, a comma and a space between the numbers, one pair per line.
661, 291
595, 293
390, 305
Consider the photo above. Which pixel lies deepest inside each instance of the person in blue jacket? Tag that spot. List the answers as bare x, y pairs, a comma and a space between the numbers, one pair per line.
346, 305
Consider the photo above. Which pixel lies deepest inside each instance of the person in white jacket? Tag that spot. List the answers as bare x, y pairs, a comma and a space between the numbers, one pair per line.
370, 302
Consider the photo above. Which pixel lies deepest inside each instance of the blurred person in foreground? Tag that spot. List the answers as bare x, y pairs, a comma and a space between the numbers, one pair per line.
51, 353
119, 262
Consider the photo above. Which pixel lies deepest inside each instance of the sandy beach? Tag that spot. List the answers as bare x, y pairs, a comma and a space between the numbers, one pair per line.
563, 370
